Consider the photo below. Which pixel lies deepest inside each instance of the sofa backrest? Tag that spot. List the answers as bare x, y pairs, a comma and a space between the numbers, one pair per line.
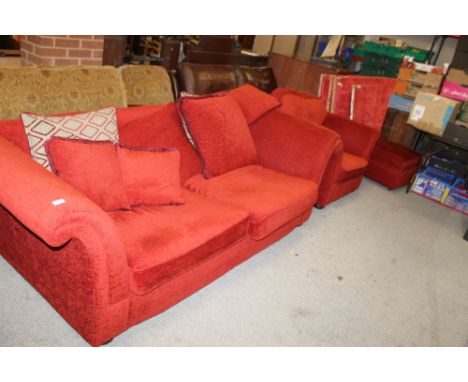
205, 79
146, 85
209, 78
53, 90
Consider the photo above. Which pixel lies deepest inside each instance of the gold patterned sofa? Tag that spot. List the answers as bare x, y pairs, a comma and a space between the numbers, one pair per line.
53, 90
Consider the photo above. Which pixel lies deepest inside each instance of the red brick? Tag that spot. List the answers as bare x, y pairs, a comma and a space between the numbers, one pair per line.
91, 62
67, 42
89, 37
100, 37
34, 39
32, 58
50, 52
27, 46
47, 41
66, 61
97, 53
86, 53
92, 44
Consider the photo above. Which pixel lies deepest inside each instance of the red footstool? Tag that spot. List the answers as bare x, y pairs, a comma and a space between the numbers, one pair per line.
392, 165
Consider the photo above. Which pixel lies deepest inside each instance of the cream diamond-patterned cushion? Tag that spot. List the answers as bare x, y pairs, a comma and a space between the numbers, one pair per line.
99, 125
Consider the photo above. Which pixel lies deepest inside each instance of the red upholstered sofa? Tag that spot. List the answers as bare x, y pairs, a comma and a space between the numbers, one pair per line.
107, 271
358, 140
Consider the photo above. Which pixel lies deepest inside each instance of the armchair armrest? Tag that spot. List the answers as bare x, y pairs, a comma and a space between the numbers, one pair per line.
56, 212
358, 139
295, 146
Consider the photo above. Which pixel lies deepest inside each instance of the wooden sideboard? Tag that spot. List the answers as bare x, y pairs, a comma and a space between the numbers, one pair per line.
298, 75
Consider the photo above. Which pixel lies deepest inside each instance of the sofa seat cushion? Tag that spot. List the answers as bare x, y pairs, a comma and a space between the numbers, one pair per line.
164, 241
272, 198
351, 167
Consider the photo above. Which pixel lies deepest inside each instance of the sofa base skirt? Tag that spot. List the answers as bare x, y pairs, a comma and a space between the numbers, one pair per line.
184, 285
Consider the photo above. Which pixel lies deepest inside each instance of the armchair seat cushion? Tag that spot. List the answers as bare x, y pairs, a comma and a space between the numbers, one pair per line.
165, 241
351, 166
271, 198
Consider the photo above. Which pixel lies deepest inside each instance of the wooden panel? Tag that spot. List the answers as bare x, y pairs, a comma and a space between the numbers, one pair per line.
298, 75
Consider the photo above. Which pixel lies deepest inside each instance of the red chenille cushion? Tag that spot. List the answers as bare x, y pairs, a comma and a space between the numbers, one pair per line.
14, 131
165, 241
158, 126
351, 166
91, 167
273, 199
150, 176
220, 133
253, 102
309, 108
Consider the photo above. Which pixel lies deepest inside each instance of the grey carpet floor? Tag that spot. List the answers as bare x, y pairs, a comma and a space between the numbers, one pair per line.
376, 268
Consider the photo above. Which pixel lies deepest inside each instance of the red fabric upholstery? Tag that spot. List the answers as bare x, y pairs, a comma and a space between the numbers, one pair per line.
311, 108
397, 156
220, 132
74, 254
298, 147
174, 290
392, 165
164, 241
158, 126
91, 167
272, 198
14, 131
358, 139
351, 166
253, 102
150, 176
71, 253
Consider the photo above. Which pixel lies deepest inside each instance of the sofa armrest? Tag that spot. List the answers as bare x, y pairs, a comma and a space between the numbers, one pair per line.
295, 146
358, 139
57, 213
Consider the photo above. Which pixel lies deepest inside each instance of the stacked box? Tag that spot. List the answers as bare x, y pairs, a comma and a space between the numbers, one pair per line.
412, 81
433, 184
381, 60
457, 197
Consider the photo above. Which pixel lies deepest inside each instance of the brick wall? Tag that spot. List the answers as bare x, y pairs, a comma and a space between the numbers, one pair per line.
61, 50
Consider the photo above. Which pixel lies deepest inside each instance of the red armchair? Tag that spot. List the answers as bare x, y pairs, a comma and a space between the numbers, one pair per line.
358, 141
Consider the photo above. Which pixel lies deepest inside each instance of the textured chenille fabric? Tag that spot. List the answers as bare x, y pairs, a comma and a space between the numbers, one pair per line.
165, 241
92, 167
253, 101
271, 198
219, 131
310, 108
158, 126
150, 176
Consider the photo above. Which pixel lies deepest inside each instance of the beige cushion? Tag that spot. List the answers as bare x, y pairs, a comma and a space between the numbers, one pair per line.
146, 85
99, 125
51, 90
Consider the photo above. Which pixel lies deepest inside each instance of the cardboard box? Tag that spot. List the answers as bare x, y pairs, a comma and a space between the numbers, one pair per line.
454, 90
457, 197
431, 113
433, 184
411, 90
400, 103
457, 75
432, 80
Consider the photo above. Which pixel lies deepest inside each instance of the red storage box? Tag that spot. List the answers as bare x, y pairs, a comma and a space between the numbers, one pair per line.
392, 165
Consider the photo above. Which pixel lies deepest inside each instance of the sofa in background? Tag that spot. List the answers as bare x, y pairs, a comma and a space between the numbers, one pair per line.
358, 140
107, 271
209, 78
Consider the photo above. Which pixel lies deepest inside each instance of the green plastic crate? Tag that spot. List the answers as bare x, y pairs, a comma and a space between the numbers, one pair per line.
419, 55
384, 50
